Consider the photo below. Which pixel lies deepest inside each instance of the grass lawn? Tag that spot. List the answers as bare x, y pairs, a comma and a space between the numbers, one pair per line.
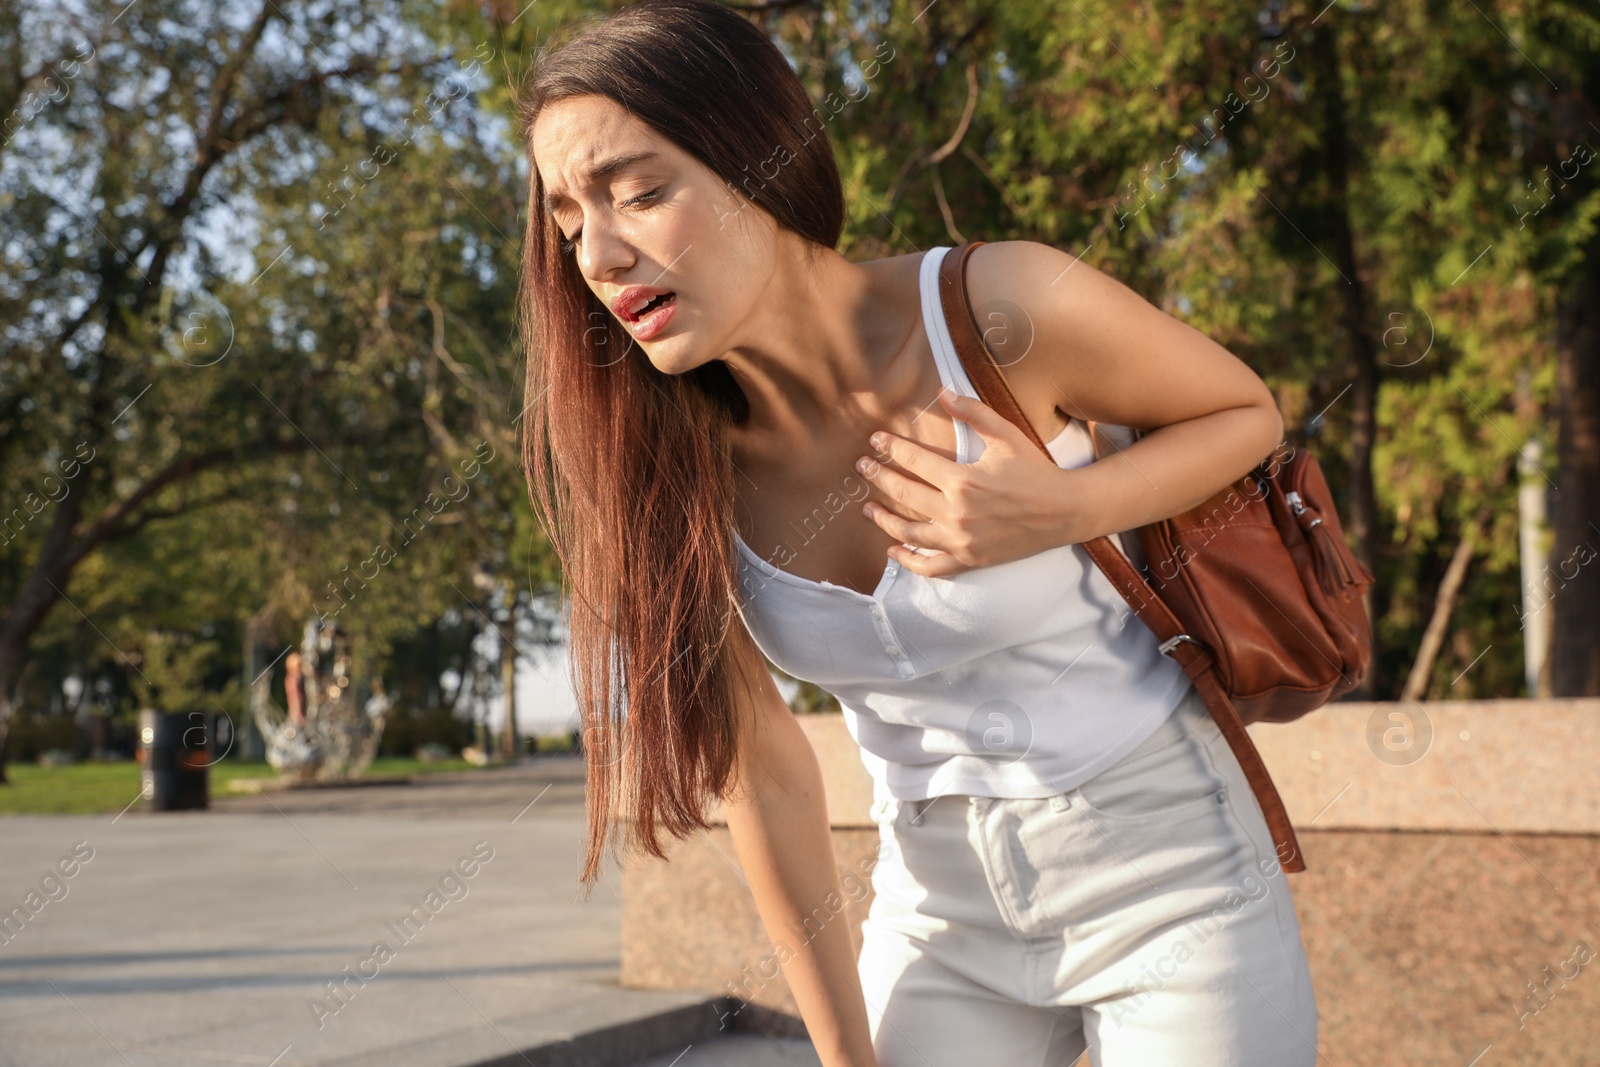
87, 788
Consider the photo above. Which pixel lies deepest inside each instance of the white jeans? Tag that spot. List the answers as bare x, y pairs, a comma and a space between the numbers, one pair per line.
1142, 916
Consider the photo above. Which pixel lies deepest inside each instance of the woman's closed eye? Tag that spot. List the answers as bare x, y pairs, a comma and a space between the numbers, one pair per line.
570, 244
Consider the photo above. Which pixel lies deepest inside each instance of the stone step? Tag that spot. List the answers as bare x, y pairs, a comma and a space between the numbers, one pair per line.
740, 1050
617, 1028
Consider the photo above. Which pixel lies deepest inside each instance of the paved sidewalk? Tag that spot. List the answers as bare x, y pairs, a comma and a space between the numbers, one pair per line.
219, 937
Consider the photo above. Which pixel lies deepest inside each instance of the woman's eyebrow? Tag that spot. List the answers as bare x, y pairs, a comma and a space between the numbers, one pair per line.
600, 170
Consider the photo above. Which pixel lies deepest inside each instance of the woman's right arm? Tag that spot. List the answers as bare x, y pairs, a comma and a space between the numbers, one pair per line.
778, 817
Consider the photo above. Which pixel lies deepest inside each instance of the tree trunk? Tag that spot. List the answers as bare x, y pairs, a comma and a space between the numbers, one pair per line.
1574, 566
1361, 513
1444, 605
1573, 574
508, 680
44, 585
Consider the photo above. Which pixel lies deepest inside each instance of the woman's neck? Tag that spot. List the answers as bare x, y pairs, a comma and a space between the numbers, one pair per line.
824, 349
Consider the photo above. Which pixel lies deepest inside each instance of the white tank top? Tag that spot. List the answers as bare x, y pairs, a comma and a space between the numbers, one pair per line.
1022, 679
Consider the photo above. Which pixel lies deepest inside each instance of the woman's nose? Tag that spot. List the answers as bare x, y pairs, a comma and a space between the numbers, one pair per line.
604, 252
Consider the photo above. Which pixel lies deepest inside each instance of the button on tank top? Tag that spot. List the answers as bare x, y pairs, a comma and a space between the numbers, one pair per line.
1022, 679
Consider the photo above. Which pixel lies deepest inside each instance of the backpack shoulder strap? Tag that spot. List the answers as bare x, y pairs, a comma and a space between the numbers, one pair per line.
976, 359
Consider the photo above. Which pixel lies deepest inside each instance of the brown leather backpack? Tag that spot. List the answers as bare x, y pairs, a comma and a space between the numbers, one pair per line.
1254, 593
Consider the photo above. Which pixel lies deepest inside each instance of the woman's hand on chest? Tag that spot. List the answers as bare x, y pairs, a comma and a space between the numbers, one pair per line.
1013, 502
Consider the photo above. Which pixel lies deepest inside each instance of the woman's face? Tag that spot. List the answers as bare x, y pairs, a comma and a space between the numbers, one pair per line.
662, 222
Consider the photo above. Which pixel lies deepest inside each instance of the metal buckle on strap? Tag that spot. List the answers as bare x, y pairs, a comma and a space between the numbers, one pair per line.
1170, 645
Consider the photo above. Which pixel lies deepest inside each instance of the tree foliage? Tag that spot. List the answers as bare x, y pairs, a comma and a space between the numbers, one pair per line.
257, 265
256, 262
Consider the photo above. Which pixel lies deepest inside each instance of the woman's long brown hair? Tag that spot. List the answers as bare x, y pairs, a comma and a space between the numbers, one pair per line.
629, 469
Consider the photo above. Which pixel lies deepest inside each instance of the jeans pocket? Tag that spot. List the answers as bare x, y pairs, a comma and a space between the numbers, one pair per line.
884, 811
1169, 777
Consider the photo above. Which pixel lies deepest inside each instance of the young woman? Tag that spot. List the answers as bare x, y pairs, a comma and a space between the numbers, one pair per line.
746, 447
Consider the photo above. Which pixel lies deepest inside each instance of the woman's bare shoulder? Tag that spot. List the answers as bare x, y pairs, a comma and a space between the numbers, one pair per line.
1102, 350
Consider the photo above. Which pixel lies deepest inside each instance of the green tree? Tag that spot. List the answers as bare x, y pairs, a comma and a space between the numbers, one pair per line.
256, 290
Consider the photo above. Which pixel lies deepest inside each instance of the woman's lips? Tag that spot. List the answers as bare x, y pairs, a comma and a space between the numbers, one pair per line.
653, 321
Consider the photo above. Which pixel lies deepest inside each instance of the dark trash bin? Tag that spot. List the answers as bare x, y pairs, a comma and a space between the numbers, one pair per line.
175, 750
